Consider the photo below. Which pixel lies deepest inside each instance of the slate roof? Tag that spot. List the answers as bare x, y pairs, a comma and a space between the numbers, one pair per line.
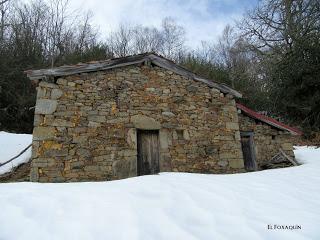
268, 120
157, 60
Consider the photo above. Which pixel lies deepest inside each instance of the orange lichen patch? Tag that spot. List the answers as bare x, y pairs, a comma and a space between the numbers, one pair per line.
115, 127
75, 120
68, 94
51, 145
66, 166
114, 108
152, 99
46, 145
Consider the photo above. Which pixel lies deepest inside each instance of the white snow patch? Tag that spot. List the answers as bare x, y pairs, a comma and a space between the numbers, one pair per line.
169, 206
12, 144
306, 154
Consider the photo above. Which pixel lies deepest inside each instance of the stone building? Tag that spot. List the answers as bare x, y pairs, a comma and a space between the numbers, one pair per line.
139, 115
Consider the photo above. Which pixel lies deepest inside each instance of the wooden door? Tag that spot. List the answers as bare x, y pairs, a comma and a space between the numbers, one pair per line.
248, 151
148, 152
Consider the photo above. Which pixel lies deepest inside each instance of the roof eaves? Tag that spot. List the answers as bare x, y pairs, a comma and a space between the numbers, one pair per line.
126, 61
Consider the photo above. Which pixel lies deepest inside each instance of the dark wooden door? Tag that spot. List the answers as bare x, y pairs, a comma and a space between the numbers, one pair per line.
248, 152
148, 152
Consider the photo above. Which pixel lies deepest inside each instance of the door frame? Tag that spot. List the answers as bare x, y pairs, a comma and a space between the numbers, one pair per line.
250, 134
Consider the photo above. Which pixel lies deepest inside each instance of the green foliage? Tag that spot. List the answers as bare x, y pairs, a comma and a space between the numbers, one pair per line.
285, 36
296, 83
17, 96
94, 53
205, 68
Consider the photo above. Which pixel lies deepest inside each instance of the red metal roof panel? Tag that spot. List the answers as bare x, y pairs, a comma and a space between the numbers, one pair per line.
268, 120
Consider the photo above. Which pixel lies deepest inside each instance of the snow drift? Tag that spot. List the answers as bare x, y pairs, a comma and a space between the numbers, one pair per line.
169, 206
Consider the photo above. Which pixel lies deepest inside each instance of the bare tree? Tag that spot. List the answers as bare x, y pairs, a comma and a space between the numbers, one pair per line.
146, 39
86, 36
167, 40
173, 38
279, 24
229, 53
58, 15
207, 52
121, 40
285, 34
52, 29
36, 34
4, 6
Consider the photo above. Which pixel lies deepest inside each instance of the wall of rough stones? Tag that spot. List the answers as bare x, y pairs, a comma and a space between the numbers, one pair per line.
85, 125
267, 140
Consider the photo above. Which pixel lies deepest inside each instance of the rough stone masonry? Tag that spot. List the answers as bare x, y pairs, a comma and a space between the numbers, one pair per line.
85, 125
267, 140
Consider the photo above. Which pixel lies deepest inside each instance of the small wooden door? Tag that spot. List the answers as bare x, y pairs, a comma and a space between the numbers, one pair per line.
248, 151
148, 152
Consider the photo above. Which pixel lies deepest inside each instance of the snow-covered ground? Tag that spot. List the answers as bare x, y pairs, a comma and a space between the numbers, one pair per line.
10, 146
169, 206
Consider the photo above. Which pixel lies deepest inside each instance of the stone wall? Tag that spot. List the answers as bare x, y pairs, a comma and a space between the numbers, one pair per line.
85, 125
267, 140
